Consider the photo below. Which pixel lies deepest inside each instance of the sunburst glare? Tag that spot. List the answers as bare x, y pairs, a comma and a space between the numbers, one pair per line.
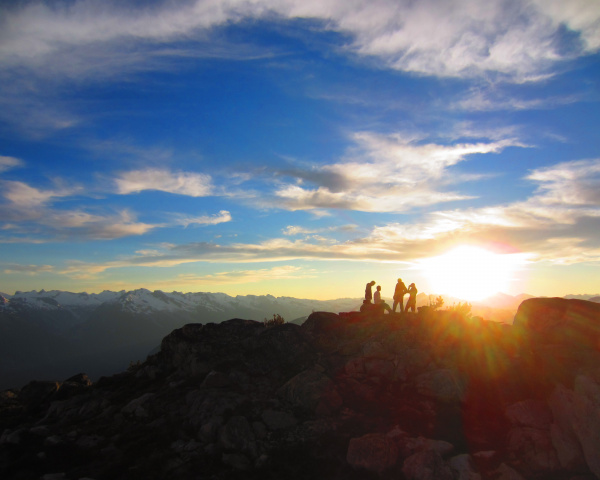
471, 273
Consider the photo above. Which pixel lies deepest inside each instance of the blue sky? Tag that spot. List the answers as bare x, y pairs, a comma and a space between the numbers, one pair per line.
298, 148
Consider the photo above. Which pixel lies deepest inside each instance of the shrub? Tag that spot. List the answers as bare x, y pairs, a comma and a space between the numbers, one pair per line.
463, 309
276, 320
438, 303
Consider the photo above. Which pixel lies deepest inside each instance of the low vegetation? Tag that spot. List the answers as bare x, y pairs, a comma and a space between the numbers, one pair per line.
276, 320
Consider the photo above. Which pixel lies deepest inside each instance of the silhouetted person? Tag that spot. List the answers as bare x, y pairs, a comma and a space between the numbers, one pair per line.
369, 292
379, 303
412, 297
399, 293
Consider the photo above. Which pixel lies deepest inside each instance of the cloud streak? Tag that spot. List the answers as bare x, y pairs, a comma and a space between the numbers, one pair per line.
181, 183
8, 163
384, 173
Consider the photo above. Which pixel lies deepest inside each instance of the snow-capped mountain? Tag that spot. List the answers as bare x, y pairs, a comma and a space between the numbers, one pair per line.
147, 302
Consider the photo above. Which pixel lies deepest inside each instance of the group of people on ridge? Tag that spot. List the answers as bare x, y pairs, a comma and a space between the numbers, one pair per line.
375, 301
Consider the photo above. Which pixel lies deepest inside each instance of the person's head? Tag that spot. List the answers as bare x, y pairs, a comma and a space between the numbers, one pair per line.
399, 280
412, 285
372, 282
378, 287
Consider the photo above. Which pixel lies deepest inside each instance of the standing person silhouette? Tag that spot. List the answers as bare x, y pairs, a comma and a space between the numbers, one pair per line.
399, 293
369, 291
412, 297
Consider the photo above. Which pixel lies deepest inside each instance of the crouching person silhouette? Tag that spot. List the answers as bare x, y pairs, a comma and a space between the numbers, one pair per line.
379, 303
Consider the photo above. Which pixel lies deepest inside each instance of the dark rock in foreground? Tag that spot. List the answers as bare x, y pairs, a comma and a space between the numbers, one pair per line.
561, 321
349, 396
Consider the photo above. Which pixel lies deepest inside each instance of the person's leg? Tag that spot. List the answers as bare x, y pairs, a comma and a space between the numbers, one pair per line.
395, 305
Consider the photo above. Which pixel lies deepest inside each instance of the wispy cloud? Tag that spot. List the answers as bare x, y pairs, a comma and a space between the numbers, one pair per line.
384, 173
434, 37
485, 99
293, 230
22, 195
222, 217
7, 163
284, 272
44, 45
12, 268
182, 183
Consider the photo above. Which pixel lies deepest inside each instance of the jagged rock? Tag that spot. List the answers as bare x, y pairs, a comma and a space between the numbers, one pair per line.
462, 466
442, 384
577, 423
532, 450
530, 413
311, 390
237, 399
277, 420
561, 321
426, 465
137, 407
374, 452
237, 434
504, 472
38, 392
237, 461
411, 445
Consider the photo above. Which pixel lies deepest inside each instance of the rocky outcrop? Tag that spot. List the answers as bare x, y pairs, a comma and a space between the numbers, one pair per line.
561, 321
350, 396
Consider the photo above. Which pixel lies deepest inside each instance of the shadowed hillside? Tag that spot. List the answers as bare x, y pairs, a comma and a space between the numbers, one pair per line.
433, 395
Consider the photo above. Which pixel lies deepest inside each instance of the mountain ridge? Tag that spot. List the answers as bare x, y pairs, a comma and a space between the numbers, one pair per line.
45, 334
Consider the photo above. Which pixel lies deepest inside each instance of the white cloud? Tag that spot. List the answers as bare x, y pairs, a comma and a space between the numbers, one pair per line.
22, 195
100, 227
384, 174
221, 217
433, 37
571, 183
292, 230
15, 268
6, 163
544, 227
284, 272
181, 183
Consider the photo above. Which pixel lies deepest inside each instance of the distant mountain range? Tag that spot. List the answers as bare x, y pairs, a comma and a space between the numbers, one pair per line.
54, 334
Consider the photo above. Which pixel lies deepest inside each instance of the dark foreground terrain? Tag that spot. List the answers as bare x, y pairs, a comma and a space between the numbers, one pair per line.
433, 395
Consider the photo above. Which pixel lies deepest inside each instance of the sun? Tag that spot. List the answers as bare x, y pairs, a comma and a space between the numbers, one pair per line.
469, 273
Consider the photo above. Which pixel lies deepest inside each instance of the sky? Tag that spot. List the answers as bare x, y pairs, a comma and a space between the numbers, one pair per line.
300, 148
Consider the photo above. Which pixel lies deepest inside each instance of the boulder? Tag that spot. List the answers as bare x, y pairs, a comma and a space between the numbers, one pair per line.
443, 385
375, 452
311, 390
577, 423
462, 466
561, 321
530, 413
426, 465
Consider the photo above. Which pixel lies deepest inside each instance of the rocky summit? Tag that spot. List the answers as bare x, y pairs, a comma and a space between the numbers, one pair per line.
432, 395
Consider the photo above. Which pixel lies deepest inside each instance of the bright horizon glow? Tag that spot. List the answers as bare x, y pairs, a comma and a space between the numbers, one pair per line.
471, 273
